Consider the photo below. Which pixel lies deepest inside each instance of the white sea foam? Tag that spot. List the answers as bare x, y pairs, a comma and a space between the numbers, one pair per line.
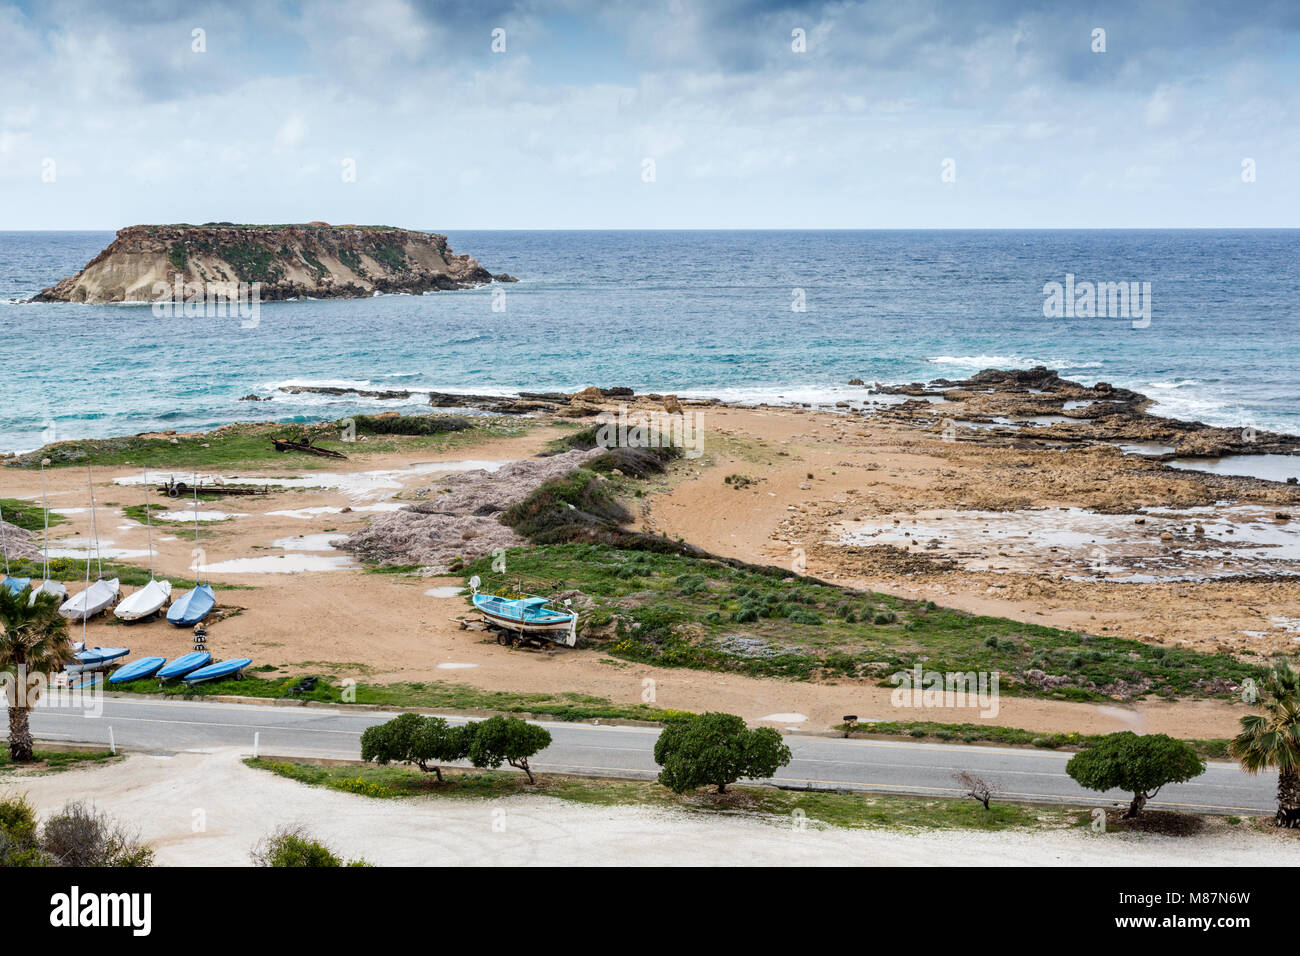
981, 362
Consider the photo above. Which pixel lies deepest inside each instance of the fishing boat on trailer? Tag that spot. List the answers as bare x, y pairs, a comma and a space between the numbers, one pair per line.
527, 617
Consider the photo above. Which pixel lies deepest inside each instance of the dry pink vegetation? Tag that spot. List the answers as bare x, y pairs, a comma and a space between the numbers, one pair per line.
459, 517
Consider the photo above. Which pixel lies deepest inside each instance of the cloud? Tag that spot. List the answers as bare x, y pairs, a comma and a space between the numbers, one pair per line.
745, 131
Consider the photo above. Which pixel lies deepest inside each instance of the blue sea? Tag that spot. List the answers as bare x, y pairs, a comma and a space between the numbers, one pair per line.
696, 313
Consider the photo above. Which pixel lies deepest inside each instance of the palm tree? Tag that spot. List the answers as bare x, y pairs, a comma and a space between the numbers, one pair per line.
33, 639
1272, 739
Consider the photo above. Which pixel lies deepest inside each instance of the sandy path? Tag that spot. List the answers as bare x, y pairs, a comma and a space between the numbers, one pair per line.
211, 808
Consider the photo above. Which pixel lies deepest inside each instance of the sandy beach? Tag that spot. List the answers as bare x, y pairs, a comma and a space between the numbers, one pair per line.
290, 599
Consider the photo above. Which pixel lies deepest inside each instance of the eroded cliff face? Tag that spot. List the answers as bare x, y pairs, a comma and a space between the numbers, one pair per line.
316, 260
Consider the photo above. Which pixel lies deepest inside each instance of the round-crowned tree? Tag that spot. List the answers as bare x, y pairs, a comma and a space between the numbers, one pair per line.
509, 740
1139, 764
715, 750
426, 742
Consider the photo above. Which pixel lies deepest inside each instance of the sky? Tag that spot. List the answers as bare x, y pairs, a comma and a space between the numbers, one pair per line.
732, 114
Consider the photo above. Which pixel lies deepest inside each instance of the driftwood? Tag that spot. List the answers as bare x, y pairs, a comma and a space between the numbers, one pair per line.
283, 444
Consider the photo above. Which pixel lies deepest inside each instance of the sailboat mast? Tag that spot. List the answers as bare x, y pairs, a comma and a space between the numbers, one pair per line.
198, 554
148, 524
45, 507
85, 595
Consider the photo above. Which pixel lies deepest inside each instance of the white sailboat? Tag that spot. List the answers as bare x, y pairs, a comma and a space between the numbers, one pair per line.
57, 588
98, 596
150, 598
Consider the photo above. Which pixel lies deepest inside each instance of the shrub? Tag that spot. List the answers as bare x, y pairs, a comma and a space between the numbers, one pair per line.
565, 509
715, 749
293, 846
79, 835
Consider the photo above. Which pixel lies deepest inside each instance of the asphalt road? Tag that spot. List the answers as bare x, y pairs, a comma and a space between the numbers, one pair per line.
886, 766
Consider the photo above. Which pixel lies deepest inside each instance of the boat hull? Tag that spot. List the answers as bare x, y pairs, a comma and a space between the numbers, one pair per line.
218, 670
137, 669
96, 659
510, 616
184, 664
57, 588
91, 601
192, 606
148, 600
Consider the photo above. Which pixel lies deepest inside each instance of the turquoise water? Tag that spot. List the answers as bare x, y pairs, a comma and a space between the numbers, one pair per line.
705, 313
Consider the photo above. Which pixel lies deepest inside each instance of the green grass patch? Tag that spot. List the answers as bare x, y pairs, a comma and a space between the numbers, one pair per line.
1214, 748
26, 515
779, 807
242, 445
55, 760
686, 610
430, 694
73, 571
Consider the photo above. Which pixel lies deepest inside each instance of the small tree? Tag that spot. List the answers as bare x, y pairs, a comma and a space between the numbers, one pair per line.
33, 638
507, 739
426, 742
977, 788
1140, 765
716, 750
1272, 739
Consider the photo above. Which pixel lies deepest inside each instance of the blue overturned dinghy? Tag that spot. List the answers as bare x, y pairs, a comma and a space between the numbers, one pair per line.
218, 670
96, 658
17, 585
86, 681
183, 665
144, 667
192, 606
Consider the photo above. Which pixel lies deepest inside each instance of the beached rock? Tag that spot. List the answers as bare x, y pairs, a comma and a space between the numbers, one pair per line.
316, 261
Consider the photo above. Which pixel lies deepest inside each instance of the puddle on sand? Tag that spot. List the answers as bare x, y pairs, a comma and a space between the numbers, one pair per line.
308, 513
359, 486
298, 557
1268, 467
192, 515
282, 564
72, 548
310, 542
448, 591
1080, 544
1145, 448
